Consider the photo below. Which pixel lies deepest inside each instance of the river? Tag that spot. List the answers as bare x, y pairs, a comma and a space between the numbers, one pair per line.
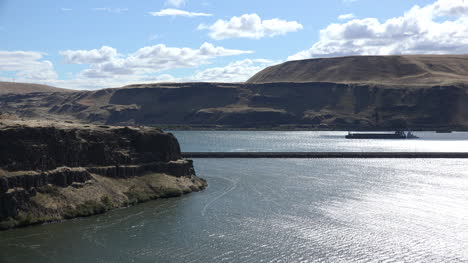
280, 210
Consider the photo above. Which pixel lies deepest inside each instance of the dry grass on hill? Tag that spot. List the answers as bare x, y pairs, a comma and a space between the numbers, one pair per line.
392, 70
22, 88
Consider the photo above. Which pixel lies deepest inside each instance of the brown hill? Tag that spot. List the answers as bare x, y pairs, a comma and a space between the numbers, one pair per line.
23, 88
350, 93
311, 105
394, 70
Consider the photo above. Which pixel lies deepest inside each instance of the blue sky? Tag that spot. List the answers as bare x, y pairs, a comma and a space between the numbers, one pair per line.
91, 44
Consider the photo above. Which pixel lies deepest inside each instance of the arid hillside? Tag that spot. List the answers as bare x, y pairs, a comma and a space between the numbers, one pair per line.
23, 88
311, 105
353, 93
392, 70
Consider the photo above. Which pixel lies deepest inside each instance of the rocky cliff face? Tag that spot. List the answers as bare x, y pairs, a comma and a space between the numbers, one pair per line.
310, 105
55, 171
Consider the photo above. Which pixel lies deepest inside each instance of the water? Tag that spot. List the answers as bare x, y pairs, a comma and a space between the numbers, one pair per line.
277, 210
308, 141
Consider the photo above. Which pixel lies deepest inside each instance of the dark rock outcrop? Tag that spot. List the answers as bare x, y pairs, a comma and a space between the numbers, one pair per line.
44, 148
54, 171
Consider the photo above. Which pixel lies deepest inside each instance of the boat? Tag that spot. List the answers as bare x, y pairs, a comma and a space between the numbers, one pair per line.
395, 135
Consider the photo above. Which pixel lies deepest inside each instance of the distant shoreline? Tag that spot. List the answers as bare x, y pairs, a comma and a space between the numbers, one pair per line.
329, 155
194, 128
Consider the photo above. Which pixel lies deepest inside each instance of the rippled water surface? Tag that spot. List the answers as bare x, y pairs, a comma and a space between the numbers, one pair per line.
305, 141
276, 210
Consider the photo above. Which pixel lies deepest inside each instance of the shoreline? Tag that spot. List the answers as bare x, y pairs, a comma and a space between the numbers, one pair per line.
52, 171
98, 195
329, 155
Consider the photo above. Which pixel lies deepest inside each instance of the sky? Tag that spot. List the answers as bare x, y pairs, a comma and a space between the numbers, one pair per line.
92, 44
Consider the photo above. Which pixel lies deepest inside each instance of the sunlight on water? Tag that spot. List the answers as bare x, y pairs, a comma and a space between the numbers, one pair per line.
282, 210
303, 141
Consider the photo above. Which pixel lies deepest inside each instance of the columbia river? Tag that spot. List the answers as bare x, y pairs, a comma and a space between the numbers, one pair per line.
280, 210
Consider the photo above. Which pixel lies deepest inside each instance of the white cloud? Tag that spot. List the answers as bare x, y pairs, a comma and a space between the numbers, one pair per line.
238, 71
27, 65
92, 56
177, 12
345, 16
176, 3
438, 28
108, 68
111, 9
450, 8
117, 81
66, 9
250, 26
107, 63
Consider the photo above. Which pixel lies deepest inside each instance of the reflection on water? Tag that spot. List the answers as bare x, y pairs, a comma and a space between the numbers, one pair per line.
281, 210
278, 211
305, 141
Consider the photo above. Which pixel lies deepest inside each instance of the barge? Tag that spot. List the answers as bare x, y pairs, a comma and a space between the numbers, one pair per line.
395, 135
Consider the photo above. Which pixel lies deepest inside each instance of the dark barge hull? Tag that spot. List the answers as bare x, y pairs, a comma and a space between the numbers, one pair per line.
375, 136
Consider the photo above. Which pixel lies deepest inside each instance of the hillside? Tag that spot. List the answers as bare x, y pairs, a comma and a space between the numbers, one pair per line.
392, 70
23, 88
311, 105
352, 93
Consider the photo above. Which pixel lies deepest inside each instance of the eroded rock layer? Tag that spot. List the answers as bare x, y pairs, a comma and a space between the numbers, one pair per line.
56, 171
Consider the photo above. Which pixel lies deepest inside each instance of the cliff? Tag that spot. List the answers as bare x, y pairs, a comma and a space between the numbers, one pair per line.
350, 93
52, 171
314, 105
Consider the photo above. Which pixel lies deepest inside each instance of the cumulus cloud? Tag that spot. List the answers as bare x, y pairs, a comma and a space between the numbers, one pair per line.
345, 16
109, 68
250, 26
177, 12
27, 65
176, 3
82, 83
92, 56
106, 62
437, 28
238, 71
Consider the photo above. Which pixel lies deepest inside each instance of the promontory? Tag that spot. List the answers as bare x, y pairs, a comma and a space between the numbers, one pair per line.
54, 171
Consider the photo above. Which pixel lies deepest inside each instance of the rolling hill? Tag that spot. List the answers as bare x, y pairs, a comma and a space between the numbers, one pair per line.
23, 88
390, 70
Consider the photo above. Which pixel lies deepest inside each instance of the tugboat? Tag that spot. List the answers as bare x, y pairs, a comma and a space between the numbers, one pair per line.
395, 135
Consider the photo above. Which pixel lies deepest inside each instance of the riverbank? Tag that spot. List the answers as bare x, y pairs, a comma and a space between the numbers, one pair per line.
328, 155
55, 171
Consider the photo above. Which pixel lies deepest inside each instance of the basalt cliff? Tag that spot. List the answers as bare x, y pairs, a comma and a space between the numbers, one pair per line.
347, 93
55, 171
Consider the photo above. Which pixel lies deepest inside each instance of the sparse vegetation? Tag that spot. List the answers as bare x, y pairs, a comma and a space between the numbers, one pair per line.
136, 195
50, 189
88, 208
